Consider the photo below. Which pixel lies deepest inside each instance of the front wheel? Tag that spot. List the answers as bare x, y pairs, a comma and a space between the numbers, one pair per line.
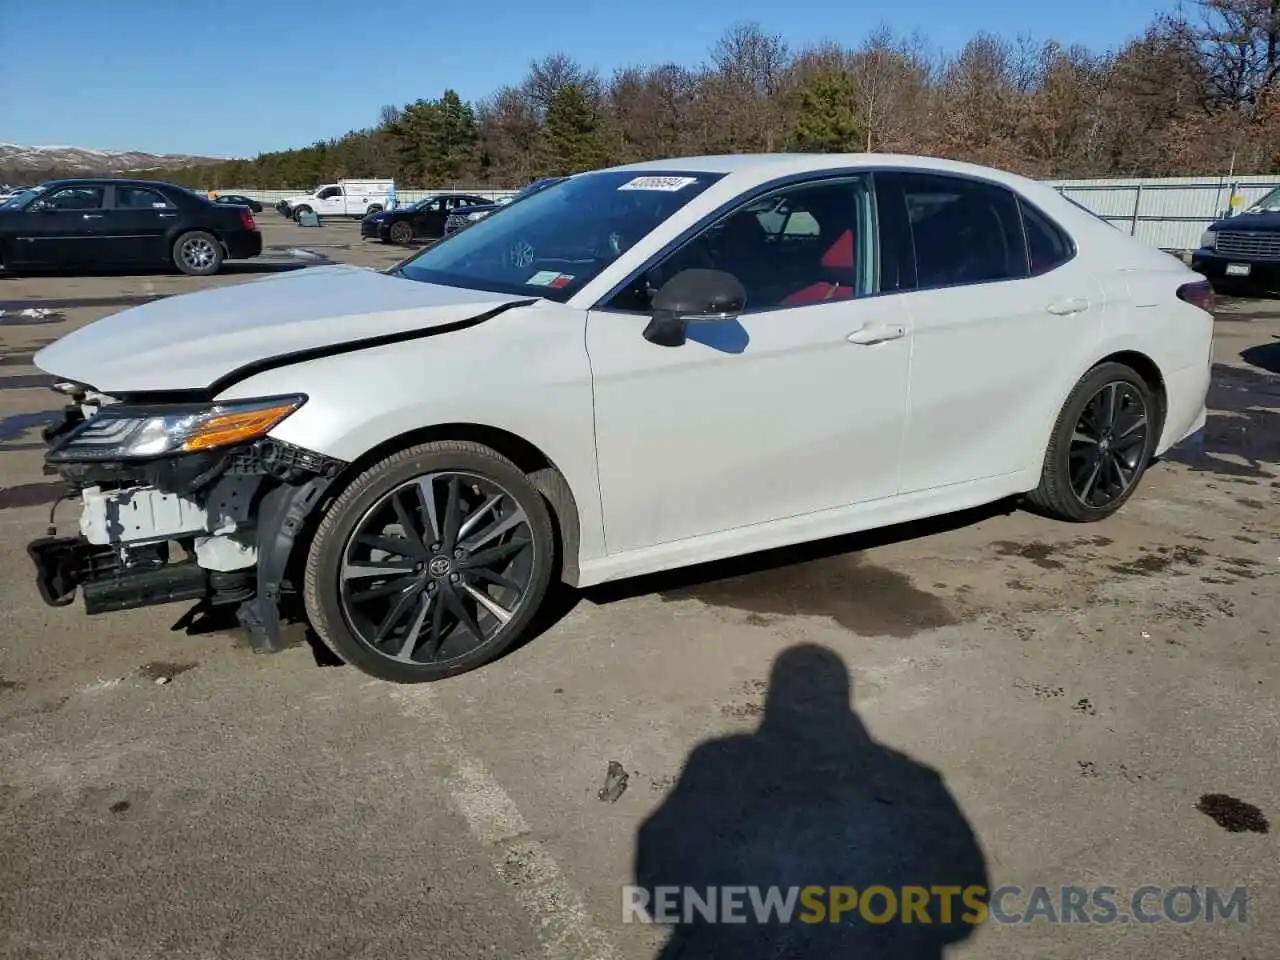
1101, 445
401, 232
198, 254
431, 563
297, 214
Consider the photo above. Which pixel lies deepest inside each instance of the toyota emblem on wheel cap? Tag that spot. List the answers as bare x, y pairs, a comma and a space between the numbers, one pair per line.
439, 566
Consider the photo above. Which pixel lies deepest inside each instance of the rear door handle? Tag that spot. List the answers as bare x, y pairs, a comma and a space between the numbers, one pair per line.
877, 334
93, 216
167, 216
1070, 305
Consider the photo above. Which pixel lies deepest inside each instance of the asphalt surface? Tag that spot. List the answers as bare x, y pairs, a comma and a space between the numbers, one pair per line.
990, 698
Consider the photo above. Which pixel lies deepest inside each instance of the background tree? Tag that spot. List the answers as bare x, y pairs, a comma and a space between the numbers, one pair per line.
1194, 94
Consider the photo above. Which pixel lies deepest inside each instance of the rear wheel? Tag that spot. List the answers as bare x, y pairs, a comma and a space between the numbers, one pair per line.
297, 214
1100, 447
431, 563
197, 254
401, 232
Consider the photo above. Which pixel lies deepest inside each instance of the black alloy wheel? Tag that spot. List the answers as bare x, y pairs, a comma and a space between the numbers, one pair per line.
1101, 446
431, 563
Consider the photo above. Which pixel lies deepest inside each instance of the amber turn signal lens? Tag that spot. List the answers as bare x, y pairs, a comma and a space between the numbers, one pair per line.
222, 429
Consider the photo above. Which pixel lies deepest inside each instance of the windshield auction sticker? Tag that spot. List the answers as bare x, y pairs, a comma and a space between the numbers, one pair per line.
550, 278
667, 184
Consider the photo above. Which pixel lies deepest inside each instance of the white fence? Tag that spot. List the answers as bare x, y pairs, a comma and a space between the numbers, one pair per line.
1168, 213
405, 197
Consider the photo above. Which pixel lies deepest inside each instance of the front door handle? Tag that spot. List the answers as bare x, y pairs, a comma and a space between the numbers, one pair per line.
877, 334
1070, 305
93, 216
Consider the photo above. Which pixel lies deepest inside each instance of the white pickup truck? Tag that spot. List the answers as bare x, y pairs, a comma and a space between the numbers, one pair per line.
346, 198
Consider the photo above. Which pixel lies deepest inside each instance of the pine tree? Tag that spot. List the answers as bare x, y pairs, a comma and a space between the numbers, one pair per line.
572, 139
826, 120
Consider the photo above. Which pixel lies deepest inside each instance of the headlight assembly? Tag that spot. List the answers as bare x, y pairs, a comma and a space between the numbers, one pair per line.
1209, 240
125, 432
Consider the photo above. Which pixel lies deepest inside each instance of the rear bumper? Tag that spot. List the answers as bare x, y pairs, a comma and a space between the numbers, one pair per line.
243, 245
1186, 393
1261, 275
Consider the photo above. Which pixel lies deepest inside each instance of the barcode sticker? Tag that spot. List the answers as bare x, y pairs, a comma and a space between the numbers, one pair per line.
667, 184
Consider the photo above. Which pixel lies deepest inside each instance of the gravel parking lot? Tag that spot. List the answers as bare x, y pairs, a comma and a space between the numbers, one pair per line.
992, 698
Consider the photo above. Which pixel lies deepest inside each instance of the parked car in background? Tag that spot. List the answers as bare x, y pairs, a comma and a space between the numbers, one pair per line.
118, 222
423, 220
346, 198
238, 200
407, 460
1241, 254
461, 218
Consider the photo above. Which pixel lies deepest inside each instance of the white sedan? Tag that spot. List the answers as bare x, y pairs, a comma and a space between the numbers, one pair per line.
636, 369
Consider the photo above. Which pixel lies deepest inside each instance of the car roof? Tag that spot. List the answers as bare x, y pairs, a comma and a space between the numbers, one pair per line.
115, 181
763, 167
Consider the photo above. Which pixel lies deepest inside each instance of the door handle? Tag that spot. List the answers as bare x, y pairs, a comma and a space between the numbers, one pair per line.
167, 216
877, 334
93, 216
1070, 305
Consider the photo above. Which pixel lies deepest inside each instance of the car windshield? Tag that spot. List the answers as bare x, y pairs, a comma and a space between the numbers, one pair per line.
555, 241
21, 198
1268, 204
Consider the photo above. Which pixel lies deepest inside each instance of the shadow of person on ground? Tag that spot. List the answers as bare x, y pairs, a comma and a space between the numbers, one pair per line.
808, 799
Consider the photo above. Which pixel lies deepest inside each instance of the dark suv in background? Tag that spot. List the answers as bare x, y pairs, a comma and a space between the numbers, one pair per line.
113, 222
1242, 253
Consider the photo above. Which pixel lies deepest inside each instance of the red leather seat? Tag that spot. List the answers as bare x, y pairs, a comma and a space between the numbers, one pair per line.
837, 260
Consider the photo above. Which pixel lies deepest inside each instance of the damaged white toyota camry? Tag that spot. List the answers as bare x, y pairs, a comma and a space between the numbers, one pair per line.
637, 369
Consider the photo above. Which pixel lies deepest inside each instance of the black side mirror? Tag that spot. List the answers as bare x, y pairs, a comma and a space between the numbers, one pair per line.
693, 295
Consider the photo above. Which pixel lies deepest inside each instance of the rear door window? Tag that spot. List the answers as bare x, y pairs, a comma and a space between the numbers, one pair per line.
140, 198
963, 231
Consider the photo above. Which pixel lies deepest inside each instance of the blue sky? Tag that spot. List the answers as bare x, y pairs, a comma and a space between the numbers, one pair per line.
236, 77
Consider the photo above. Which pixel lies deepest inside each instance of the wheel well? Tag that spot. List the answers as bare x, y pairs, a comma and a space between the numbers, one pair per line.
1146, 368
543, 473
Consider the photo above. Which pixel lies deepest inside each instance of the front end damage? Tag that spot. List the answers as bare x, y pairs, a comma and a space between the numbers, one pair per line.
181, 500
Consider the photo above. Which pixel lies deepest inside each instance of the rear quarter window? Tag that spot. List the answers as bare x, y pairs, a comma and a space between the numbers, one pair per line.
1048, 246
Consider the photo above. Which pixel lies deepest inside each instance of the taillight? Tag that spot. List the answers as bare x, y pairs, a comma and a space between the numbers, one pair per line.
1198, 294
246, 218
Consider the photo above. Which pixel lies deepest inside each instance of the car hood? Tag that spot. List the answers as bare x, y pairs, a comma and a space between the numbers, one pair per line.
1268, 222
192, 341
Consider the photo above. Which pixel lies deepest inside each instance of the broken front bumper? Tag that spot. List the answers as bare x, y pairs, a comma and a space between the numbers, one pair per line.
235, 517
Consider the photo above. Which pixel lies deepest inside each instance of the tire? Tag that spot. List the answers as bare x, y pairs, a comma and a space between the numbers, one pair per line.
401, 232
416, 587
197, 253
373, 208
299, 212
1060, 492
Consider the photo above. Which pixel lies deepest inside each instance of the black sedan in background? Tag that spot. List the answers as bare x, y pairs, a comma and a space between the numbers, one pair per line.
113, 222
237, 200
461, 218
423, 220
